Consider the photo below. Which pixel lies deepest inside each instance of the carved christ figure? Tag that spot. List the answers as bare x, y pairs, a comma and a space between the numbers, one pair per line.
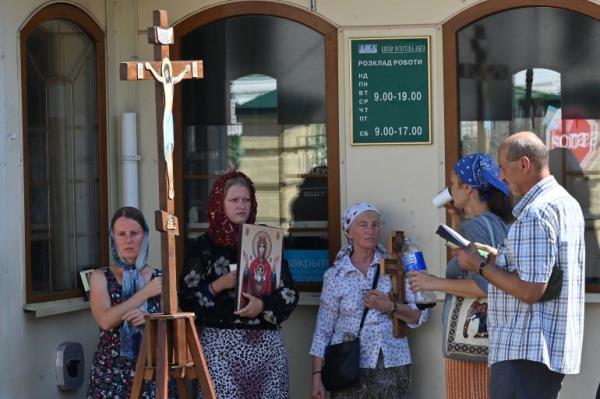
168, 82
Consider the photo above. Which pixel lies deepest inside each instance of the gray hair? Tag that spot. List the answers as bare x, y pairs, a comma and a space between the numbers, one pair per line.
527, 146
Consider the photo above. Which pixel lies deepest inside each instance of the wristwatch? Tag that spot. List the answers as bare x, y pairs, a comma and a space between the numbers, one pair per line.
484, 262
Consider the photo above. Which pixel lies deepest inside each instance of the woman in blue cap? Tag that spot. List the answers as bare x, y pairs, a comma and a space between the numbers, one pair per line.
481, 210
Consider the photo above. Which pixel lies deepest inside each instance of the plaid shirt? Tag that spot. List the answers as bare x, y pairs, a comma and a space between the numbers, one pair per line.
549, 231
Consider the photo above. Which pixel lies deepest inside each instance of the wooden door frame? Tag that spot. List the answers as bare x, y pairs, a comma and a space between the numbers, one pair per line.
312, 21
86, 23
450, 31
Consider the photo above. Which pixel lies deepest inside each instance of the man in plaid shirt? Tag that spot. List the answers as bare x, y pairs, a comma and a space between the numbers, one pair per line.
534, 341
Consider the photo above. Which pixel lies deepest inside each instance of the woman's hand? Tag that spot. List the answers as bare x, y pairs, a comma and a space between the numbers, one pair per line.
135, 316
378, 300
253, 308
407, 314
452, 210
108, 316
225, 282
456, 215
318, 390
153, 288
420, 281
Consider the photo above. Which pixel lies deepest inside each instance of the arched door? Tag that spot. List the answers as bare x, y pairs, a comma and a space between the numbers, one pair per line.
267, 106
530, 65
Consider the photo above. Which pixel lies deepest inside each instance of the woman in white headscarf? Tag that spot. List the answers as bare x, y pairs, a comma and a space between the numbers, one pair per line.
384, 359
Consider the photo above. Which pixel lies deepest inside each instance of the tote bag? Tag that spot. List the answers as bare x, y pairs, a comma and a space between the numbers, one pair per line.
465, 328
466, 335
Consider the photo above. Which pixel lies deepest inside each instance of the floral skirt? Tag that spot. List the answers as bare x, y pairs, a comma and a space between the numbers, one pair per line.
378, 383
246, 364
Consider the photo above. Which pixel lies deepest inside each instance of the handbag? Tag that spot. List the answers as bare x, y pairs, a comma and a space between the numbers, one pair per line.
465, 330
341, 362
554, 286
465, 322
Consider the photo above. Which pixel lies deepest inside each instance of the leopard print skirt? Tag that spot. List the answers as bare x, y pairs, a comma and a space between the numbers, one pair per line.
246, 364
378, 383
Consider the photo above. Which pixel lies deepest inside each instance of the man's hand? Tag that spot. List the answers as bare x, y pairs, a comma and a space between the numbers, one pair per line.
469, 258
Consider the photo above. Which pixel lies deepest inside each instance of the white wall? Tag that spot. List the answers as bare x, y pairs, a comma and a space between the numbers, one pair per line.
401, 189
28, 345
411, 173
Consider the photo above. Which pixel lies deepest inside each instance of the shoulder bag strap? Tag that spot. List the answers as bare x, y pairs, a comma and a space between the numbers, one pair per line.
364, 315
490, 230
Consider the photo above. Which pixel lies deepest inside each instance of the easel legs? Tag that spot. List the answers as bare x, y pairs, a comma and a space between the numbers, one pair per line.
162, 361
208, 390
173, 338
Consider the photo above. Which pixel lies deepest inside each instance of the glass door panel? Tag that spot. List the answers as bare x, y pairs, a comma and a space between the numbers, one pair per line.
261, 109
530, 69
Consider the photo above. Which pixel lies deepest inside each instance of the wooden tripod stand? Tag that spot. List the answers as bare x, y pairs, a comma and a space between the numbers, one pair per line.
170, 346
178, 355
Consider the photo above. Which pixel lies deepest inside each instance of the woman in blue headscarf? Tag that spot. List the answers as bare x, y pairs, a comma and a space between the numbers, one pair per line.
384, 359
120, 297
481, 210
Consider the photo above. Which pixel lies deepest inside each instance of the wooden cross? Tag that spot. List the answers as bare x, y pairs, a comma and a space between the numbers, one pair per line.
393, 267
170, 345
171, 73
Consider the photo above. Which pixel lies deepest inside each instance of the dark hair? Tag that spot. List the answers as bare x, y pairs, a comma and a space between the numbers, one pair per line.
128, 212
499, 204
530, 147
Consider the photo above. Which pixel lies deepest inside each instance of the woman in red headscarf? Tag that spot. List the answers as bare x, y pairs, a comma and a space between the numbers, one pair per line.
244, 350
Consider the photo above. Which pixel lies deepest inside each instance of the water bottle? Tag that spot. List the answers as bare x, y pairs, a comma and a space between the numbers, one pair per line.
413, 261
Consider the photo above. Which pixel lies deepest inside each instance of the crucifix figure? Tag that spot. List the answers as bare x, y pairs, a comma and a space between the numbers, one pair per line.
171, 73
167, 123
170, 345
